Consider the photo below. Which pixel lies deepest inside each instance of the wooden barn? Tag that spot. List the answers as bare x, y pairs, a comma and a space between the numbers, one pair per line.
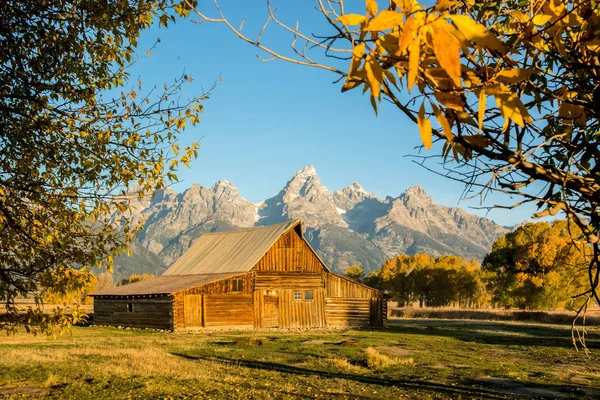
267, 277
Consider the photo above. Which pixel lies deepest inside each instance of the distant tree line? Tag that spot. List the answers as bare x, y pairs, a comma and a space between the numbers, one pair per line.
538, 266
430, 282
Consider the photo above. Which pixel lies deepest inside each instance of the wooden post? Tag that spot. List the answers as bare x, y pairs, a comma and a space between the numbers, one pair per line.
204, 311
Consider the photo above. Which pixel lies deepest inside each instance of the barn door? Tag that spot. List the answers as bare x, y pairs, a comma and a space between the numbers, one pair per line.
271, 312
192, 310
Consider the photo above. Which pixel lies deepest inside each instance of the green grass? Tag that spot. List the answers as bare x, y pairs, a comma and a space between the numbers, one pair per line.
413, 359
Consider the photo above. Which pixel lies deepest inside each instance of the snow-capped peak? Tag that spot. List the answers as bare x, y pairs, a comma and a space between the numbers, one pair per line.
306, 172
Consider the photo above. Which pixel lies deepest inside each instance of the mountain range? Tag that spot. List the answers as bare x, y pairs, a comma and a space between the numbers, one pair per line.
347, 227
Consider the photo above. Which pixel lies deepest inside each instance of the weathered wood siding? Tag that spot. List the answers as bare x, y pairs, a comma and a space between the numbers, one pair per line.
224, 286
146, 312
290, 254
235, 310
338, 286
274, 303
289, 266
270, 280
301, 313
193, 310
279, 309
378, 311
343, 312
350, 303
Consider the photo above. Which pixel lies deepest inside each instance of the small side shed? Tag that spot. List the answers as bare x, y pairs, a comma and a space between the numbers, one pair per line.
267, 277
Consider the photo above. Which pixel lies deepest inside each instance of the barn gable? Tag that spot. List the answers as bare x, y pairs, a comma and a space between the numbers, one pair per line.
291, 253
236, 251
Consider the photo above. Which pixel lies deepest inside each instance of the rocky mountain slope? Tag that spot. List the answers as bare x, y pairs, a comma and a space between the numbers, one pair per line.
347, 227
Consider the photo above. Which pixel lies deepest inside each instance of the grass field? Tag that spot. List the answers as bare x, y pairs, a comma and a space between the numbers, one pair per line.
411, 359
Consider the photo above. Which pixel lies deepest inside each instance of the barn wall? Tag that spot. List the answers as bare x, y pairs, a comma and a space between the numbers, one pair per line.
274, 280
286, 312
341, 287
343, 312
148, 312
221, 287
229, 310
350, 303
301, 313
290, 254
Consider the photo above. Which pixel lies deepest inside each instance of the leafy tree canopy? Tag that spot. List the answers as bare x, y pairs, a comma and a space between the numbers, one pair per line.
69, 152
509, 88
443, 281
538, 266
355, 272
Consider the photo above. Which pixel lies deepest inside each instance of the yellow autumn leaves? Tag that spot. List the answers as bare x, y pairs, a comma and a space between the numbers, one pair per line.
435, 50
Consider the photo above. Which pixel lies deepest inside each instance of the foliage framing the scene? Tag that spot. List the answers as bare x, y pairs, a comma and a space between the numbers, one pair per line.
509, 89
70, 152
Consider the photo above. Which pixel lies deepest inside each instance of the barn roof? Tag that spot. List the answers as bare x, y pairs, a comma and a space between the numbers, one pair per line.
164, 284
226, 252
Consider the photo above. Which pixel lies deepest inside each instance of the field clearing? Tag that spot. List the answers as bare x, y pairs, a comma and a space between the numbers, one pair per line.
413, 358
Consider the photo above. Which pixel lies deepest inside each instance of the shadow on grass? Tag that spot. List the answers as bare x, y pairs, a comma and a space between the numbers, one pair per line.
493, 332
418, 385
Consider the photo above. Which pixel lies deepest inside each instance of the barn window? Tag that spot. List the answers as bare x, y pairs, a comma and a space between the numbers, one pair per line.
308, 295
237, 285
129, 307
297, 295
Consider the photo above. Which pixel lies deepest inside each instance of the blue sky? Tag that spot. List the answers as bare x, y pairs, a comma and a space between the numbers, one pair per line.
265, 121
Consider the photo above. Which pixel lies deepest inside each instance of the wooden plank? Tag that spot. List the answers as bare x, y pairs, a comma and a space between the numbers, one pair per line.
152, 312
192, 310
286, 280
203, 310
270, 315
290, 254
224, 286
340, 287
301, 313
347, 311
229, 309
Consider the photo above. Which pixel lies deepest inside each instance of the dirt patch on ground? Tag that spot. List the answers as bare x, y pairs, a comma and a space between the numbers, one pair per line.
24, 391
512, 387
396, 351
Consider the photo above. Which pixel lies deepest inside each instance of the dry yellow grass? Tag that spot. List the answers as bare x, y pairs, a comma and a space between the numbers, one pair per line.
111, 357
376, 360
342, 363
550, 317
